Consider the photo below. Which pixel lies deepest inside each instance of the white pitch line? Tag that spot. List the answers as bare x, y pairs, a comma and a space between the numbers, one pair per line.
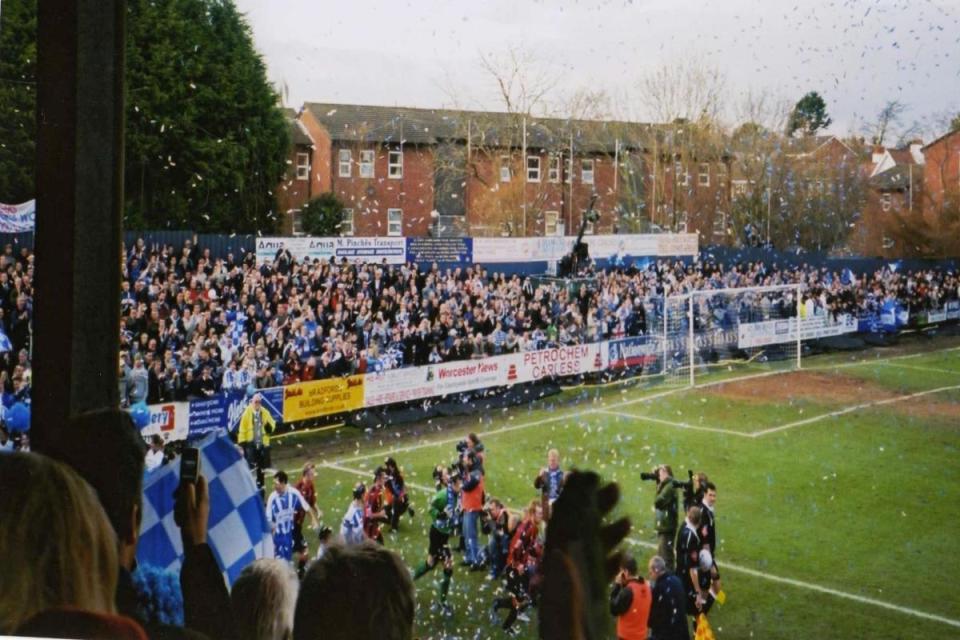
625, 403
851, 409
916, 368
678, 425
745, 570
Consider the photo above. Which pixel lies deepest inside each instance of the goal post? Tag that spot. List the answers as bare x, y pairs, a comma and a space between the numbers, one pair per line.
749, 328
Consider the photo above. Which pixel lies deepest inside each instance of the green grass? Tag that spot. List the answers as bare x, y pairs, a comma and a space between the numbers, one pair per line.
860, 503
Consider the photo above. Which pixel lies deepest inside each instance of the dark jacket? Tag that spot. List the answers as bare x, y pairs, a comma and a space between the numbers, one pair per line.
668, 613
666, 507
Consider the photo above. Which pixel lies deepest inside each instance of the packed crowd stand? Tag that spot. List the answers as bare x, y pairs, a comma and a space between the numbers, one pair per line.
193, 325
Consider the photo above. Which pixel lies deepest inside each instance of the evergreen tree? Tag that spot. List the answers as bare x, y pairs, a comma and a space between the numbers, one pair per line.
808, 116
18, 99
323, 215
206, 141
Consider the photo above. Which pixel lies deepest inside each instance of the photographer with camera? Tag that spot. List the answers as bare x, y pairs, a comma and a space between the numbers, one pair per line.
665, 505
472, 501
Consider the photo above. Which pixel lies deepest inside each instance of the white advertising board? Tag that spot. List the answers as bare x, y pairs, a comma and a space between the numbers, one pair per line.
368, 249
759, 334
171, 421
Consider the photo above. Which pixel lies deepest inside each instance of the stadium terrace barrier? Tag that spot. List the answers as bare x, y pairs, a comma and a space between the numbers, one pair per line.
396, 387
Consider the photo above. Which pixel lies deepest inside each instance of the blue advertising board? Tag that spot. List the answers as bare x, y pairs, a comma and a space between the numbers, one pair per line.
224, 410
428, 250
632, 352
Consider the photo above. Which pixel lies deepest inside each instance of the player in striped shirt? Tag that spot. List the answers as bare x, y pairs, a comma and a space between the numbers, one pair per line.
282, 506
351, 529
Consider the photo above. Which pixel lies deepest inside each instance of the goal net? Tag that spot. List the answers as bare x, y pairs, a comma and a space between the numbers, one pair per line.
715, 331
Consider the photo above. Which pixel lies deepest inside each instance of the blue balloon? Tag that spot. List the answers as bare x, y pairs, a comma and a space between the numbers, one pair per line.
18, 418
140, 414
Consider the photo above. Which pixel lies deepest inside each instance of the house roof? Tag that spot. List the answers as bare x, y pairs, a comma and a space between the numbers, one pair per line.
299, 135
894, 179
942, 138
902, 156
364, 123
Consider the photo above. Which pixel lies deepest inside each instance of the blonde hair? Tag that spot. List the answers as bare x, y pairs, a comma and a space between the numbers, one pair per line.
57, 547
263, 600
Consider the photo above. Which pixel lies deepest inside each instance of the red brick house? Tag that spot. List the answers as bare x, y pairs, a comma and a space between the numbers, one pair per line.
941, 177
297, 186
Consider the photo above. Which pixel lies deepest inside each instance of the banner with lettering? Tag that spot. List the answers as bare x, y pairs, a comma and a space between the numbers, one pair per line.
18, 218
305, 400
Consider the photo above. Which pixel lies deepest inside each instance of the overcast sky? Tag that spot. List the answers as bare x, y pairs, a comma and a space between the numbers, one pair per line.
425, 53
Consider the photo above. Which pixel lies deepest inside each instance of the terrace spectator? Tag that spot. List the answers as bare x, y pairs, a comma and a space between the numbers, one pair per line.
57, 548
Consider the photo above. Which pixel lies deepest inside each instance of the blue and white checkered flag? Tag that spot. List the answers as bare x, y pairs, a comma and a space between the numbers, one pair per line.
238, 530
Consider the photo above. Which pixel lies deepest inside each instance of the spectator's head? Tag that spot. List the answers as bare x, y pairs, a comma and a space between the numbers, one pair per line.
360, 592
56, 545
280, 481
657, 567
263, 600
553, 459
693, 515
156, 442
710, 495
109, 434
628, 564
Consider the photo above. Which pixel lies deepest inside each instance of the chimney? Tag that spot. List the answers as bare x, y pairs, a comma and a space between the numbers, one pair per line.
878, 152
916, 150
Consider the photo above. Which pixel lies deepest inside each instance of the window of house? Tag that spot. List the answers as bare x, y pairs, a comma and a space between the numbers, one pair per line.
395, 164
886, 201
721, 175
346, 223
703, 176
569, 175
533, 168
719, 223
680, 174
550, 219
296, 222
346, 163
394, 222
366, 163
504, 168
553, 173
303, 166
739, 188
586, 171
682, 220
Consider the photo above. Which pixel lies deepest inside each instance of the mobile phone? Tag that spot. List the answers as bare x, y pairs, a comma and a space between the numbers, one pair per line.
189, 464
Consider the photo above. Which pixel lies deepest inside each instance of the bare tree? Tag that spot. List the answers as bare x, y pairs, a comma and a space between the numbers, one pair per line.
687, 89
888, 118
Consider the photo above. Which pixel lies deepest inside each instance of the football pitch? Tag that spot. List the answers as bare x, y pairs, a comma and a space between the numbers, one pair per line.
837, 486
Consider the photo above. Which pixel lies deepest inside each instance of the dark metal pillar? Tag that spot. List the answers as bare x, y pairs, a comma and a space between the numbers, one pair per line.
79, 211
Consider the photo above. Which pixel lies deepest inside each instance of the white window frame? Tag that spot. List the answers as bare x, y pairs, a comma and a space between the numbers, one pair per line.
703, 175
886, 201
740, 188
533, 170
368, 159
395, 227
345, 163
303, 165
587, 175
505, 172
550, 221
346, 223
395, 164
567, 178
682, 177
683, 221
721, 229
296, 222
553, 171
